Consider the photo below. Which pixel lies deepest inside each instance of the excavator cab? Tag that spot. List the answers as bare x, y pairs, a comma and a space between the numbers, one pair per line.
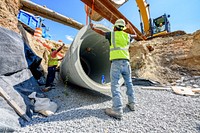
161, 25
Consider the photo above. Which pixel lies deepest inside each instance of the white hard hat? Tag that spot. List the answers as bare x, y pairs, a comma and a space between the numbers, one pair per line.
120, 22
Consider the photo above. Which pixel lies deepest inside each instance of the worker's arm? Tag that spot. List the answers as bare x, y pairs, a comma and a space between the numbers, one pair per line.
60, 59
97, 30
133, 36
60, 48
54, 53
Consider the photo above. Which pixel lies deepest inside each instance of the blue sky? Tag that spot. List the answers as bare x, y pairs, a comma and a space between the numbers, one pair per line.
184, 15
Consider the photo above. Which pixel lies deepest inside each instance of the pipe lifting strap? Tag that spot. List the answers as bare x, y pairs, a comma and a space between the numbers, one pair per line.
89, 12
92, 7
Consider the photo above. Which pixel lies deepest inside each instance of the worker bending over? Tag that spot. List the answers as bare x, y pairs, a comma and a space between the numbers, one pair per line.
120, 66
52, 66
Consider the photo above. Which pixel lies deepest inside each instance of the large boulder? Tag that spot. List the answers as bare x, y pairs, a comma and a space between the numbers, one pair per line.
12, 56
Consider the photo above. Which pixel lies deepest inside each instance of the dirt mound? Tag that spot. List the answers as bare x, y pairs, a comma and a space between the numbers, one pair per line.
8, 12
169, 57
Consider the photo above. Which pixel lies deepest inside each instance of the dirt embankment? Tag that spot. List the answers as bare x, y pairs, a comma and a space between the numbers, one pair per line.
8, 14
168, 60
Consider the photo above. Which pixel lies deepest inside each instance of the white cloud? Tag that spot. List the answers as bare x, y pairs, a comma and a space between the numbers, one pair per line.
70, 38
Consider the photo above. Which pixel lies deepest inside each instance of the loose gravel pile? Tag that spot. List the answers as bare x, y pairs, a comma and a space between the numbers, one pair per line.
82, 111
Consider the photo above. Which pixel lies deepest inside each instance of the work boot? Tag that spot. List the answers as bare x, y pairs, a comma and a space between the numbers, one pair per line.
131, 106
46, 89
114, 114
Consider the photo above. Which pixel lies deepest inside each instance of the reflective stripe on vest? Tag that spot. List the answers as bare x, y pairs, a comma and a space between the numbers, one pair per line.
119, 45
52, 61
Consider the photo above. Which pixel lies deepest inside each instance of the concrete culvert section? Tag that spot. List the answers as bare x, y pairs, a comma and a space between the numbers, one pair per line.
87, 60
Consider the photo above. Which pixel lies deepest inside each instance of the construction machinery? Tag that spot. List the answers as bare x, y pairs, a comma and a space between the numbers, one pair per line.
108, 9
159, 26
31, 22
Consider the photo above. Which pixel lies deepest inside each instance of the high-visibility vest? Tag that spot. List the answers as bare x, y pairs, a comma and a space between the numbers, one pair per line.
119, 47
52, 61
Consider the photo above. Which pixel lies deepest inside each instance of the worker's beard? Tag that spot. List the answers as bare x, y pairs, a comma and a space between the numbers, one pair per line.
119, 28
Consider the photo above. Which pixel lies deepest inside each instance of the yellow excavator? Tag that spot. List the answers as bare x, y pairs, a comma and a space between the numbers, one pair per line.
108, 9
159, 26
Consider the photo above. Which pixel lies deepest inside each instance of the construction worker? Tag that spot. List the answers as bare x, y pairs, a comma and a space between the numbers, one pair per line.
161, 27
120, 66
52, 66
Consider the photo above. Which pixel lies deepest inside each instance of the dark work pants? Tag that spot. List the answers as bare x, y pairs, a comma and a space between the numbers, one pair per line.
51, 75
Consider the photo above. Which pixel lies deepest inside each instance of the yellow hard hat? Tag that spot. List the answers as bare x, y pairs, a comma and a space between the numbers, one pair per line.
120, 22
52, 49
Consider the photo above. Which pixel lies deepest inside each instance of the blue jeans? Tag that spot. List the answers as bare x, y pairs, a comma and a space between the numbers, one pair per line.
121, 68
50, 76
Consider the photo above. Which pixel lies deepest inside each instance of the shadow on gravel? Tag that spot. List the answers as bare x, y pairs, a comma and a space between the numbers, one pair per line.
88, 95
85, 90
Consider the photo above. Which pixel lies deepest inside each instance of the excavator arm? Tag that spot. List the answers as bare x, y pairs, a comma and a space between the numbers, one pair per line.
145, 16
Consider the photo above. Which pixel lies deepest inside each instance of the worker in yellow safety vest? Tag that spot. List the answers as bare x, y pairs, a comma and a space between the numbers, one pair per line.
120, 66
52, 66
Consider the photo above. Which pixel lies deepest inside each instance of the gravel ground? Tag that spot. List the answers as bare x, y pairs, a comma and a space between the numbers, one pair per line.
82, 111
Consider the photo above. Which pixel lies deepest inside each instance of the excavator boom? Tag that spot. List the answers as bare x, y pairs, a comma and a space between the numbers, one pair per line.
145, 16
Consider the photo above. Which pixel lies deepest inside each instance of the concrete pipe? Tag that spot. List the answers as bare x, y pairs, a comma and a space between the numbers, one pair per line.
87, 60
